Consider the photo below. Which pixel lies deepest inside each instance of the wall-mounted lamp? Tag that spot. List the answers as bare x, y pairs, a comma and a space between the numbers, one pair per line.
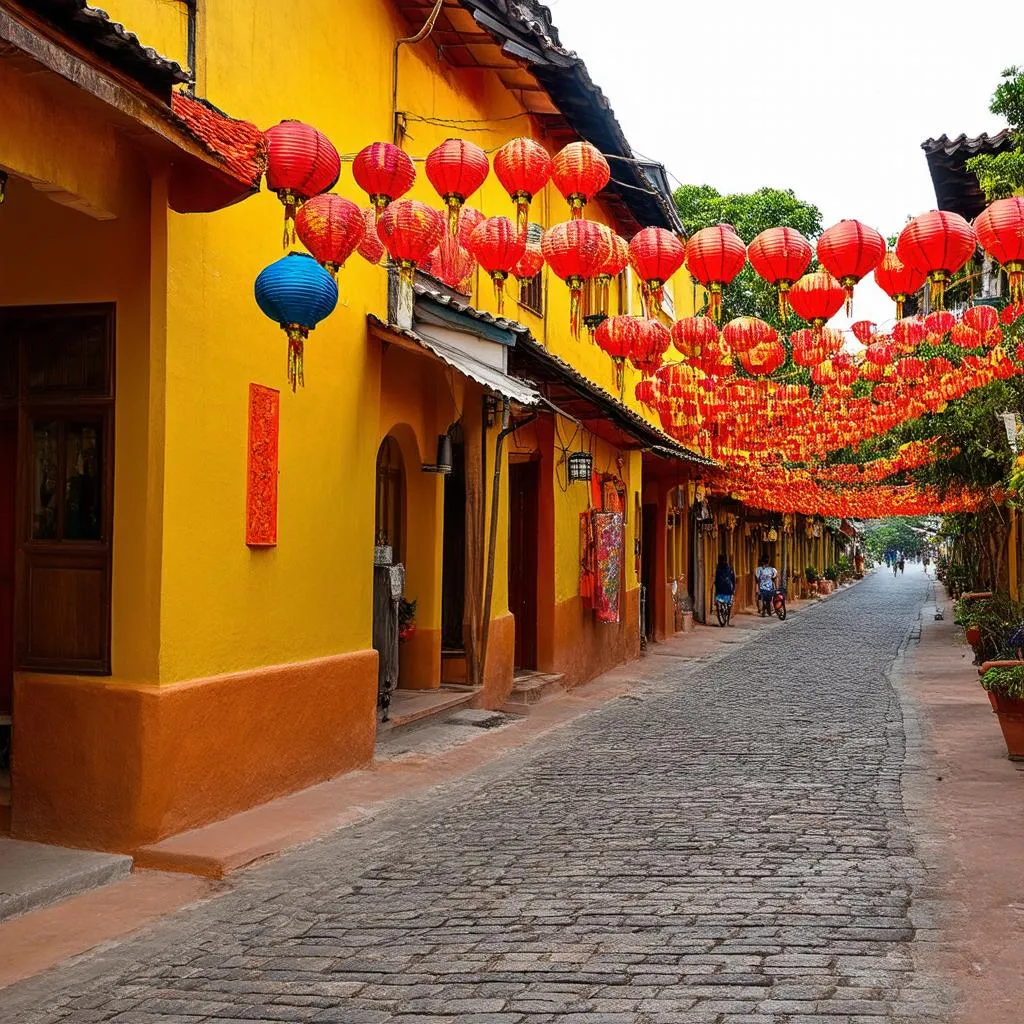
490, 409
581, 467
444, 457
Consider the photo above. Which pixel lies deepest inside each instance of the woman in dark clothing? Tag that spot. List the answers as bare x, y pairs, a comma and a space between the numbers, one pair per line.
725, 580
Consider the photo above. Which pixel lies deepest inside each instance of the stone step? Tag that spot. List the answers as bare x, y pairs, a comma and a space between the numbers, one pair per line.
533, 687
34, 875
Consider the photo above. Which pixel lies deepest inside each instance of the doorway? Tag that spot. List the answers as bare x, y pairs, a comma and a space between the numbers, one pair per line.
648, 539
523, 486
8, 476
453, 564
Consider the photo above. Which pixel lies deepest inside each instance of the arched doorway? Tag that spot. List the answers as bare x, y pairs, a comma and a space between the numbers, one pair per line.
453, 564
389, 518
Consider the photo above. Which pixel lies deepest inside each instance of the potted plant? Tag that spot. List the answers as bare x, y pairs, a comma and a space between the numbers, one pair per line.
406, 620
1006, 688
811, 574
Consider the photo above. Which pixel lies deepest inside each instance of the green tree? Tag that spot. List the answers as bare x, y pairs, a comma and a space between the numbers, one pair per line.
1002, 174
750, 213
904, 534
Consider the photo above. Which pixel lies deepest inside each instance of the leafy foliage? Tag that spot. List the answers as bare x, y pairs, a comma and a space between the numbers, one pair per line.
1009, 682
998, 618
1002, 174
750, 213
897, 534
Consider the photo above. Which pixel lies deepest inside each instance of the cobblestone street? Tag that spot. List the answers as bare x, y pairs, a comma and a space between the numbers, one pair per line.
727, 846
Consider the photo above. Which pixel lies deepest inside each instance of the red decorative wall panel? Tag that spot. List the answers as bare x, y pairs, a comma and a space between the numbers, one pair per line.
261, 488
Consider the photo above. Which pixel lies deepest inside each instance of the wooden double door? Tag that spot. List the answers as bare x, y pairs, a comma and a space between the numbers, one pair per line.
56, 490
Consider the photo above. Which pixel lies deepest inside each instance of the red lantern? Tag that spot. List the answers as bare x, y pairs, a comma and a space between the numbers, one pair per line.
456, 169
780, 256
863, 331
530, 263
645, 393
619, 336
409, 230
764, 358
1000, 230
748, 332
579, 172
939, 243
714, 256
576, 250
898, 280
809, 348
849, 251
469, 220
693, 334
965, 336
938, 323
301, 162
330, 227
817, 298
384, 172
649, 346
1011, 313
908, 333
371, 248
656, 254
498, 247
523, 167
452, 264
983, 319
880, 353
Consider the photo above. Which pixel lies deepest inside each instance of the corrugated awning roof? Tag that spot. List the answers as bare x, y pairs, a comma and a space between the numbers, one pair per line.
957, 189
487, 376
94, 29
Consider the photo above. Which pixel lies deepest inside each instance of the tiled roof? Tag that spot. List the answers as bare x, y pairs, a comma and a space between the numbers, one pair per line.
525, 31
446, 298
239, 145
94, 29
957, 189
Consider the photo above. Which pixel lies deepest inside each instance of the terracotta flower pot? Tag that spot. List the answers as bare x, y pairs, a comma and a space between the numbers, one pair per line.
974, 635
1010, 712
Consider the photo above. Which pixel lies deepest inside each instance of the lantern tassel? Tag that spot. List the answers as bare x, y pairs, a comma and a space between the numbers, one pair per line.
522, 201
296, 339
291, 203
454, 206
1015, 276
576, 203
499, 291
620, 376
575, 305
900, 299
715, 302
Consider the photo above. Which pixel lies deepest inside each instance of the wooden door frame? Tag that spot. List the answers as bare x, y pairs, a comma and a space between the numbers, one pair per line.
82, 408
518, 462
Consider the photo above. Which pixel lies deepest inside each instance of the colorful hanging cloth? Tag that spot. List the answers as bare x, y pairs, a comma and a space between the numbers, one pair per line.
608, 541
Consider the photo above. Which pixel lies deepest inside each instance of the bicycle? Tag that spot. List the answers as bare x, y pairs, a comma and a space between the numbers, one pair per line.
723, 608
773, 604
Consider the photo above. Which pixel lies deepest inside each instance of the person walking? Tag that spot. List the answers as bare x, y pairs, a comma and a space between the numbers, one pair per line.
725, 582
900, 565
765, 575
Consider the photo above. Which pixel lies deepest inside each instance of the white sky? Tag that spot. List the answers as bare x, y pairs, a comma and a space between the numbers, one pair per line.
830, 99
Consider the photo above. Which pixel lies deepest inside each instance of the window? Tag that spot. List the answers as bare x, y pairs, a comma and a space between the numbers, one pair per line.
390, 497
531, 294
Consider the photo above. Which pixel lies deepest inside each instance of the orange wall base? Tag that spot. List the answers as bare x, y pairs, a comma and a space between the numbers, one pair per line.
501, 652
419, 661
583, 648
115, 766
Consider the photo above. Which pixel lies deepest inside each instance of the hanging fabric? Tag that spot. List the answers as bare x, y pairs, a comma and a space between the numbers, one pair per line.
608, 541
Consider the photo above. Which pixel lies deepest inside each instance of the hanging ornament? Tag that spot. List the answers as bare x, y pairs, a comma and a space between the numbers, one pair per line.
618, 336
576, 250
456, 169
692, 335
898, 280
908, 333
656, 254
498, 247
863, 331
579, 172
645, 392
331, 228
939, 243
370, 247
451, 264
1000, 230
880, 353
532, 261
985, 321
817, 298
649, 346
715, 256
747, 332
297, 293
780, 256
598, 289
384, 172
809, 348
849, 251
301, 162
523, 167
763, 358
469, 220
410, 230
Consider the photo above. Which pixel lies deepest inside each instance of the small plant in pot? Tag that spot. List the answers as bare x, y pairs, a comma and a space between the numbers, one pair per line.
811, 574
406, 620
1006, 689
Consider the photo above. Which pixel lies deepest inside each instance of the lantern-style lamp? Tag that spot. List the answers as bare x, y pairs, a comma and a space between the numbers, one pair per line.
297, 293
457, 169
331, 228
579, 172
523, 167
384, 172
581, 467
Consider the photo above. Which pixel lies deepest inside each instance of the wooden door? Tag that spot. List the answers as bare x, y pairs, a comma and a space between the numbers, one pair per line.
453, 562
8, 476
648, 576
523, 488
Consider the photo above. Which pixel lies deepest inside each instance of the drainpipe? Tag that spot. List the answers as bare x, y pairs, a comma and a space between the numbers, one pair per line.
506, 429
428, 27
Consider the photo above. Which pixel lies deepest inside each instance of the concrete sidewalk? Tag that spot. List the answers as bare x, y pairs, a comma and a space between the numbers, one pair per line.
965, 800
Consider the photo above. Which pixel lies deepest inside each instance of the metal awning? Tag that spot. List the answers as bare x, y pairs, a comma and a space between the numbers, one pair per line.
488, 376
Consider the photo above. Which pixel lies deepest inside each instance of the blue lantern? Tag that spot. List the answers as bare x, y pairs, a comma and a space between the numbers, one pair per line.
298, 293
